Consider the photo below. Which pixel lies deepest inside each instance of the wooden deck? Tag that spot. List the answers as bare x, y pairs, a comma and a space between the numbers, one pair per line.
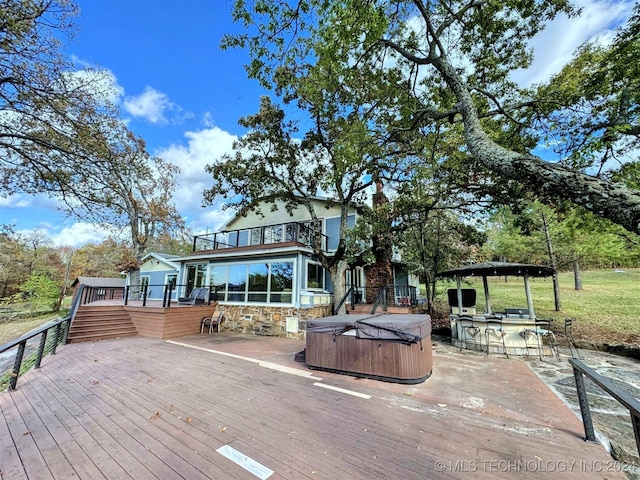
209, 407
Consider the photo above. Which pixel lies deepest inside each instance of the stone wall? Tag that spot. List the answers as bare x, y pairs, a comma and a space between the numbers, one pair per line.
270, 321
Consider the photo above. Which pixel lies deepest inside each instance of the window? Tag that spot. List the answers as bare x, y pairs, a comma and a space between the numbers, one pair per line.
237, 285
267, 282
281, 282
258, 280
315, 276
196, 275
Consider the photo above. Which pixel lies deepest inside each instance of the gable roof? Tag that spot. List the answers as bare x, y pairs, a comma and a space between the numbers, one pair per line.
99, 282
164, 258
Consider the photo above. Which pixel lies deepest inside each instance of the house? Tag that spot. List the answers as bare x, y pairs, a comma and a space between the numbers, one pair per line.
263, 272
156, 271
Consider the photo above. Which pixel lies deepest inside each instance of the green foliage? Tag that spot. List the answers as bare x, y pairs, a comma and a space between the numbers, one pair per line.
408, 73
589, 110
576, 236
41, 292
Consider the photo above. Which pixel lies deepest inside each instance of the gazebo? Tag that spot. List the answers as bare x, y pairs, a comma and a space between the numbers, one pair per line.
511, 327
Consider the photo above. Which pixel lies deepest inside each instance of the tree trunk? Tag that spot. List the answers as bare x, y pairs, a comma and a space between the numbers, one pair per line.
337, 274
134, 284
552, 261
577, 280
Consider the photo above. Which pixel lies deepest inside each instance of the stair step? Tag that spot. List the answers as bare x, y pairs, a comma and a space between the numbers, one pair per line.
100, 323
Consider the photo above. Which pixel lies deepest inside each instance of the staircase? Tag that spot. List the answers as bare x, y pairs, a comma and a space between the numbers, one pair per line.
100, 322
365, 308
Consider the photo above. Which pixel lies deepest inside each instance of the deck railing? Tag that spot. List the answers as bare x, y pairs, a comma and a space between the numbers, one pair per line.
633, 405
47, 344
385, 296
170, 292
300, 232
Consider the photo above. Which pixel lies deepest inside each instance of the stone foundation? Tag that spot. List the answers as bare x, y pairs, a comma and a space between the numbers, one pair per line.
270, 321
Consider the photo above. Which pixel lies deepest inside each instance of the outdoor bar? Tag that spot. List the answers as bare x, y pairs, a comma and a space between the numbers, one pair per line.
516, 330
388, 347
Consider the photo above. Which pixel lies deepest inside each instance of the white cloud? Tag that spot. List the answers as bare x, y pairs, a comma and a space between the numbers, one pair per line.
150, 105
556, 44
203, 147
102, 81
79, 234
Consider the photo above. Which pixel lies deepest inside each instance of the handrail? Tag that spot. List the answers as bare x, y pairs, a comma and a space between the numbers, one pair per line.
633, 405
381, 298
168, 290
349, 291
21, 343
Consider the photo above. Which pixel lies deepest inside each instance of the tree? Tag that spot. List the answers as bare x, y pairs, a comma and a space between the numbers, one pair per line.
40, 291
49, 108
433, 241
270, 165
454, 58
132, 193
589, 111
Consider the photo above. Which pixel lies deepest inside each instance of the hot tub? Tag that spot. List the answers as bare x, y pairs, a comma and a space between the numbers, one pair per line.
389, 347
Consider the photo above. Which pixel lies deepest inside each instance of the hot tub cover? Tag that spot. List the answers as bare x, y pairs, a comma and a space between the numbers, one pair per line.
398, 327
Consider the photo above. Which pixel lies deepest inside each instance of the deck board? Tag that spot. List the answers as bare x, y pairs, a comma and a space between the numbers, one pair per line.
150, 409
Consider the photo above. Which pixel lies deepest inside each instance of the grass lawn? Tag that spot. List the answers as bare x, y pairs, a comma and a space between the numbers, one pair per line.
607, 309
16, 328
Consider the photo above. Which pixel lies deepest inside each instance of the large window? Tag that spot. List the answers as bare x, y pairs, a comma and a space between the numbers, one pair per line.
265, 282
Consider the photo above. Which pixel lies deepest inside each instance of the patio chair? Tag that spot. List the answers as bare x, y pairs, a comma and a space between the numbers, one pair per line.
209, 322
197, 295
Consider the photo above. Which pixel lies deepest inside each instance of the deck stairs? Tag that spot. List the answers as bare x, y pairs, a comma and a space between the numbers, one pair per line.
101, 322
365, 308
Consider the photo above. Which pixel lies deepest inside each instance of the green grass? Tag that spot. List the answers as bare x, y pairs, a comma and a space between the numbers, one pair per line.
608, 306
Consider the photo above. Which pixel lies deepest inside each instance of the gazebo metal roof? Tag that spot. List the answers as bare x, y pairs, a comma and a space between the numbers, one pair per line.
493, 269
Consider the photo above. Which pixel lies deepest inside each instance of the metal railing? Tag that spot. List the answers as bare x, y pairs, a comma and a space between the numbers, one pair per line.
169, 293
403, 296
300, 232
34, 356
351, 294
633, 405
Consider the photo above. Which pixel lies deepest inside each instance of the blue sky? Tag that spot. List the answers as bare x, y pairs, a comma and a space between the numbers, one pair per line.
184, 95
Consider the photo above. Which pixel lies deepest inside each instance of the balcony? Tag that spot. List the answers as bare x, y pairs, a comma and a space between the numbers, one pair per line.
281, 233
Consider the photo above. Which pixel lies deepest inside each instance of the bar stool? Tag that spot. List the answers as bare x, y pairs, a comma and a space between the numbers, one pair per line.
494, 330
469, 329
543, 335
